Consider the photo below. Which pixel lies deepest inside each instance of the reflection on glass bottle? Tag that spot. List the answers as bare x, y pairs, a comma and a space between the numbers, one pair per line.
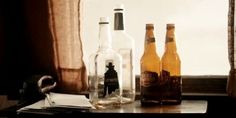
105, 71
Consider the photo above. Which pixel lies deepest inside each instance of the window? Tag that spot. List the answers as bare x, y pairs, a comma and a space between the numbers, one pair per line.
201, 30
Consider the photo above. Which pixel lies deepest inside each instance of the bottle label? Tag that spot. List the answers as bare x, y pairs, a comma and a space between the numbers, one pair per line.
171, 86
126, 67
169, 39
149, 79
111, 82
150, 40
150, 87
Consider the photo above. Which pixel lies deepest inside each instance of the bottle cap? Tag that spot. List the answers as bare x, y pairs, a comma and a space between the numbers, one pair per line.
170, 25
104, 20
150, 26
119, 7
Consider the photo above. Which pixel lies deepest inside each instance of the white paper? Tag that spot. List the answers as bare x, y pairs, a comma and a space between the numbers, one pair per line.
63, 101
68, 100
37, 105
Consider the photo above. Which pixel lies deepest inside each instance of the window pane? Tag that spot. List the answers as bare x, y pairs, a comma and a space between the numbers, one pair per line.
201, 30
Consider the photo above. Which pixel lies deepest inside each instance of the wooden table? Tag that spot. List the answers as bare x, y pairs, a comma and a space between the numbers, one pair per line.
188, 108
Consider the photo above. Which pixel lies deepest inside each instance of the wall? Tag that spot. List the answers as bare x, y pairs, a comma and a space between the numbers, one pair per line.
201, 30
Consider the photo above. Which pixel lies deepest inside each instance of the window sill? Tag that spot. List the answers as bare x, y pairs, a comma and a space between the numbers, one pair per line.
212, 85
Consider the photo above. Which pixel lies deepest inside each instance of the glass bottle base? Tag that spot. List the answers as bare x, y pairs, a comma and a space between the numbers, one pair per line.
106, 104
128, 96
160, 102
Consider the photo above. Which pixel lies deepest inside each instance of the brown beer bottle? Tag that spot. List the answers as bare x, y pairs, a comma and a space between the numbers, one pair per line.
171, 69
150, 70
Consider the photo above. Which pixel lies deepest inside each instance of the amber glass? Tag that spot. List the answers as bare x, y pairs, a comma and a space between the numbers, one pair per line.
171, 69
150, 70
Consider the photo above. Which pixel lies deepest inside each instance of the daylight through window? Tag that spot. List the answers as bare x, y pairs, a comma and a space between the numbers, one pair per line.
201, 30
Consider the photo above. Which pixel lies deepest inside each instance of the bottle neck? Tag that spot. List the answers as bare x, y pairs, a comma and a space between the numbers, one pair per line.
104, 36
119, 21
150, 48
170, 44
149, 45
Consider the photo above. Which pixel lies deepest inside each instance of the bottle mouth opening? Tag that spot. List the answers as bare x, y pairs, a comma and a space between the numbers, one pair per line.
149, 26
119, 7
104, 20
170, 26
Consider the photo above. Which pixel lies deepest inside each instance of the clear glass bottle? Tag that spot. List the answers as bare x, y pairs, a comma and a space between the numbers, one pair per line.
171, 69
150, 71
123, 43
105, 71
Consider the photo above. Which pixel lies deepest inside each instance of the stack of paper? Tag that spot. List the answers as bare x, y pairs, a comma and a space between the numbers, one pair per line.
61, 101
68, 100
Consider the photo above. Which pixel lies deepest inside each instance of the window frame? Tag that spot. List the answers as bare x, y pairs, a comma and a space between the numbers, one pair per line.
198, 86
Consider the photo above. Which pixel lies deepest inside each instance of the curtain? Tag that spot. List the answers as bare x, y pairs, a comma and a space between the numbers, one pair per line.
231, 83
53, 31
64, 24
